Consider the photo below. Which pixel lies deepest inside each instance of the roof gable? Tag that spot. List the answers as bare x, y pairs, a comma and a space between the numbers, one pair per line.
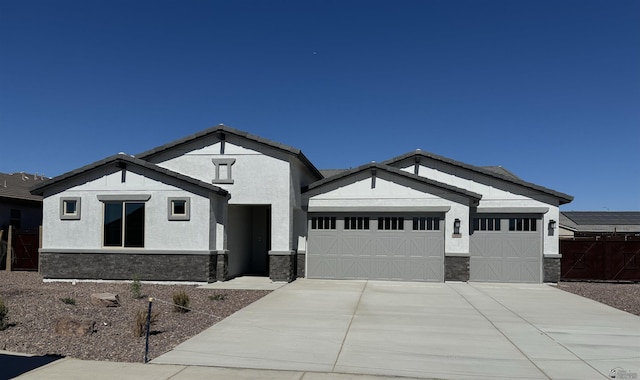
492, 172
374, 167
221, 131
122, 159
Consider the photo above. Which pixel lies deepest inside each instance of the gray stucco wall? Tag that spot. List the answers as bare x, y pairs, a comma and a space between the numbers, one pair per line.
126, 266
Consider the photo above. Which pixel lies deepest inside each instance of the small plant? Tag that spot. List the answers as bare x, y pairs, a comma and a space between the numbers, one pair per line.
218, 297
68, 300
3, 314
140, 324
180, 302
136, 288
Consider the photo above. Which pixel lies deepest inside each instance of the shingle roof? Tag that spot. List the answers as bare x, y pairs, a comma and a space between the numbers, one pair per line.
40, 188
17, 185
562, 197
603, 217
390, 169
500, 170
225, 129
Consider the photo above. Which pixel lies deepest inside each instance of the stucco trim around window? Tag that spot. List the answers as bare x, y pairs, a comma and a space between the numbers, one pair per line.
70, 208
179, 208
124, 197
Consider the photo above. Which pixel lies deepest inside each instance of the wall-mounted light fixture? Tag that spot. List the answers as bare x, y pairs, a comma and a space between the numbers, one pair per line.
456, 226
552, 226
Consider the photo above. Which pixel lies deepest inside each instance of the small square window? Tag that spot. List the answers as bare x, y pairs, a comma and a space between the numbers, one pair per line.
70, 208
179, 209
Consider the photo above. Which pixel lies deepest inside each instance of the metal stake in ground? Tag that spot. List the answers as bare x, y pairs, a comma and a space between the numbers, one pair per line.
146, 346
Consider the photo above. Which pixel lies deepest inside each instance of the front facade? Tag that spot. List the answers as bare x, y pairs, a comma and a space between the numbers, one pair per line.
224, 203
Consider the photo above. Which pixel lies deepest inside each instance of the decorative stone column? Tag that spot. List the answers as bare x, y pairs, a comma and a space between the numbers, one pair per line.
282, 266
551, 270
456, 267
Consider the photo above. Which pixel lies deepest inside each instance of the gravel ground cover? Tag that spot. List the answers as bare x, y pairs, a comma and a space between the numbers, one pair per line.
621, 296
34, 307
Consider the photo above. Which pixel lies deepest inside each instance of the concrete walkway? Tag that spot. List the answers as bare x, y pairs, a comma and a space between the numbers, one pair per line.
421, 330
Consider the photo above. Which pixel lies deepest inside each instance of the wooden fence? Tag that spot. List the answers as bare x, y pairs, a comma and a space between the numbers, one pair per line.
19, 249
600, 259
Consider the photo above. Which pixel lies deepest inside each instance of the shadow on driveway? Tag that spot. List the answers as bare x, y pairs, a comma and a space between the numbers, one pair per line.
15, 365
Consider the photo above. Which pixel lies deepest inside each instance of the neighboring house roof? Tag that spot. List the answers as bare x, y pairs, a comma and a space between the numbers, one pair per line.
390, 169
124, 158
500, 170
225, 129
562, 197
17, 185
601, 221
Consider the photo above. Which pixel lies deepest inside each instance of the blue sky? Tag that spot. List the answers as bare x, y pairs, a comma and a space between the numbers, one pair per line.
548, 89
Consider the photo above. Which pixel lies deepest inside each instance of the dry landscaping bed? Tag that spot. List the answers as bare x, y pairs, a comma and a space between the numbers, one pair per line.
35, 306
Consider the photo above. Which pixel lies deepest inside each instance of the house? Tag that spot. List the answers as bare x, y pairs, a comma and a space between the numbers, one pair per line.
18, 207
223, 203
23, 212
600, 245
599, 223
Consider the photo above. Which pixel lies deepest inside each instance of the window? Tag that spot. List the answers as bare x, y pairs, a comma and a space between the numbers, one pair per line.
323, 223
486, 224
356, 223
426, 224
390, 223
70, 208
523, 224
222, 172
124, 224
179, 208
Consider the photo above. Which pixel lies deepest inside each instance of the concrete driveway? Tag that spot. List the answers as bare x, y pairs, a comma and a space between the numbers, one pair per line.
422, 330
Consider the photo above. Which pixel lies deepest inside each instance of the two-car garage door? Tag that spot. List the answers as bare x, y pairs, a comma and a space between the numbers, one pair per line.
373, 247
503, 248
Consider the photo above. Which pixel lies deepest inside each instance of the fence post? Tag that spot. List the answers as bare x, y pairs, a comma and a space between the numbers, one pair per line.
9, 248
39, 245
146, 346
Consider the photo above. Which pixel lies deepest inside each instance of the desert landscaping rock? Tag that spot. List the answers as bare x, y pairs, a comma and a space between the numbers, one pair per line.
105, 299
34, 306
68, 326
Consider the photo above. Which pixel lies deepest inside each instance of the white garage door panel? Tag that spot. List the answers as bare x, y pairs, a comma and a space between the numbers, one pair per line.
376, 255
506, 256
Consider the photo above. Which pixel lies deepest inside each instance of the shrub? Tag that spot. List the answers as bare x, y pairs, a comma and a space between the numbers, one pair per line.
218, 297
140, 323
180, 302
68, 300
3, 314
136, 288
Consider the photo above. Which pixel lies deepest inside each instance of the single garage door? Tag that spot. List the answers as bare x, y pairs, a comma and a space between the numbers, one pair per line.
506, 249
376, 247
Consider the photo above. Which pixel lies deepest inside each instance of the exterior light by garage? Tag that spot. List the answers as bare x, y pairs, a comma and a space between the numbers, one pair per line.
552, 227
456, 228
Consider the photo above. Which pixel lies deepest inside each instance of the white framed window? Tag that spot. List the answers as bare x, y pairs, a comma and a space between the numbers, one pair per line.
426, 223
323, 223
222, 172
70, 208
390, 223
356, 223
523, 224
179, 208
486, 224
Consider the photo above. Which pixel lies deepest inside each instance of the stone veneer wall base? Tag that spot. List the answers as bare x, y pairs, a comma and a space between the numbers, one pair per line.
456, 268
